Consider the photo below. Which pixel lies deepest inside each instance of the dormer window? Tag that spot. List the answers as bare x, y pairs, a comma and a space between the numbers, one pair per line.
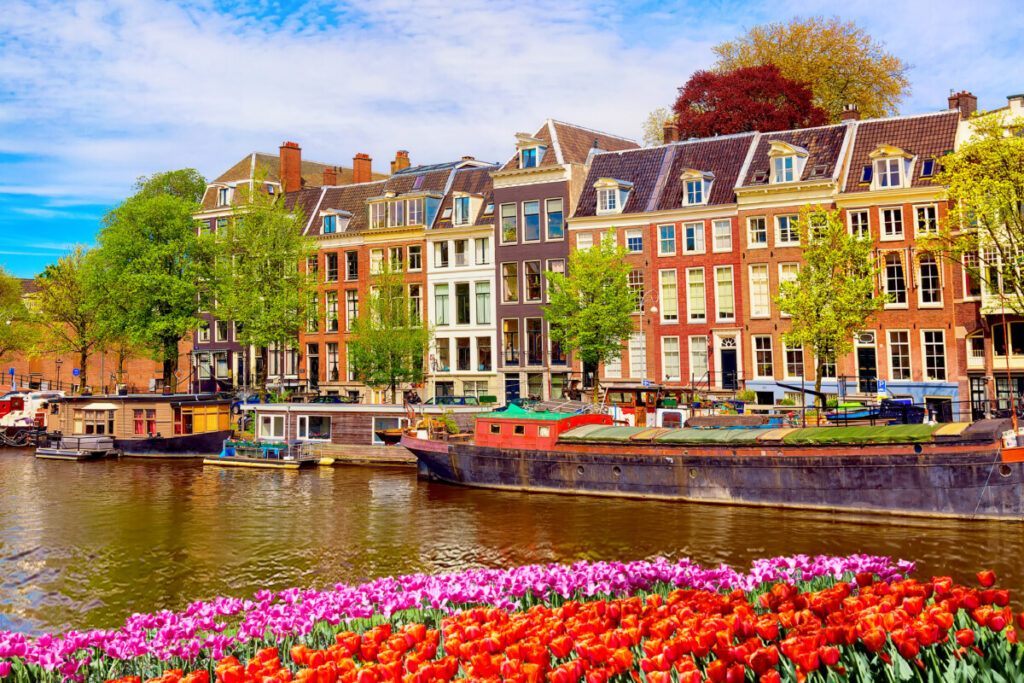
891, 166
330, 224
696, 187
530, 150
611, 195
377, 215
787, 161
223, 196
396, 214
335, 220
694, 192
928, 168
888, 172
529, 157
461, 211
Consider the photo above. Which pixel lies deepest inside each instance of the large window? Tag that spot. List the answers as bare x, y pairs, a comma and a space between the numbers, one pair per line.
145, 421
699, 358
351, 265
415, 303
584, 241
887, 171
608, 200
441, 304
757, 231
669, 296
483, 354
531, 221
483, 303
532, 273
724, 294
483, 251
666, 240
462, 354
760, 300
415, 257
934, 354
788, 272
637, 356
461, 211
271, 427
931, 286
783, 168
331, 267
696, 305
764, 365
396, 258
377, 215
636, 286
670, 358
462, 303
332, 312
794, 360
694, 238
788, 234
314, 427
555, 221
859, 225
899, 355
510, 334
635, 240
396, 214
927, 220
892, 224
895, 282
351, 307
415, 207
722, 235
508, 223
534, 341
510, 282
376, 261
441, 254
461, 252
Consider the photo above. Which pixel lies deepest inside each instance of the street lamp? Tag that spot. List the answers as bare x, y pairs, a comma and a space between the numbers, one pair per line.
59, 362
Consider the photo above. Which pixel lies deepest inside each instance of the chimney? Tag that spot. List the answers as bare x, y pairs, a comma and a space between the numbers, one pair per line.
851, 112
963, 101
468, 157
330, 176
670, 133
291, 167
401, 161
361, 165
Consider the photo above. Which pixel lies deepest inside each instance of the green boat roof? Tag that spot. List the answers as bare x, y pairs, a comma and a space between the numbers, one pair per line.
514, 412
862, 434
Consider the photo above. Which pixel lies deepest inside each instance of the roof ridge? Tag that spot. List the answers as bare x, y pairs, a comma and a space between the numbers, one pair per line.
592, 130
902, 117
729, 136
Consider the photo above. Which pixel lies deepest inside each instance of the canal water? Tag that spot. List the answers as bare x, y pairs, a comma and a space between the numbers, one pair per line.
84, 545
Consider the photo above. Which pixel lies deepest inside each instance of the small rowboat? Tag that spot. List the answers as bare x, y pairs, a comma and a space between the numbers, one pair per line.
390, 437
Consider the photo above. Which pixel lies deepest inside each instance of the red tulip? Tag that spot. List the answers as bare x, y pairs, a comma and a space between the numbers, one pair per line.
770, 677
874, 640
987, 578
829, 655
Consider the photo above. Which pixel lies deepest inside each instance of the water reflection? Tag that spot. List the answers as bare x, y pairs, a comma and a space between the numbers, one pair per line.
86, 544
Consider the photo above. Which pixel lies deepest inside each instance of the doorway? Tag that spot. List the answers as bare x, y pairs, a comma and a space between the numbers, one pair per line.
867, 370
730, 379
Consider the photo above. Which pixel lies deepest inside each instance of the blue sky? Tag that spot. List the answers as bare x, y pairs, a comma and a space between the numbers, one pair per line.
95, 93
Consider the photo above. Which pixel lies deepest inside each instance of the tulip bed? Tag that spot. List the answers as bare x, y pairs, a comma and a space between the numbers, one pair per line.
822, 619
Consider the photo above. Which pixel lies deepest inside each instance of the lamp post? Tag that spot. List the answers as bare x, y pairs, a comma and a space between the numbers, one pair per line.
59, 362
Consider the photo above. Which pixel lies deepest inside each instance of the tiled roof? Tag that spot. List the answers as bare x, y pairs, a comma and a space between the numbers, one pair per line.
433, 180
28, 286
305, 200
925, 135
823, 145
573, 142
721, 156
351, 198
475, 181
640, 167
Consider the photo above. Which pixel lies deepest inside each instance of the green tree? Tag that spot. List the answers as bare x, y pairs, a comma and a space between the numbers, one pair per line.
152, 267
654, 126
833, 294
591, 307
185, 183
18, 328
70, 323
389, 340
984, 228
843, 64
259, 281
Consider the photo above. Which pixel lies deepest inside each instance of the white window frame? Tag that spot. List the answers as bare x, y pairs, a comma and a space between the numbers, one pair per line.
921, 303
792, 231
584, 241
718, 300
547, 219
909, 355
302, 428
679, 360
716, 236
662, 239
885, 284
883, 226
885, 166
608, 200
766, 310
699, 245
277, 426
690, 299
461, 206
663, 297
788, 168
482, 250
786, 349
755, 350
403, 422
751, 243
917, 219
924, 357
634, 233
783, 267
698, 343
409, 253
852, 230
378, 215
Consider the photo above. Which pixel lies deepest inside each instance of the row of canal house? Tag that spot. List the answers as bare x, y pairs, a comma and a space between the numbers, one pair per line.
709, 229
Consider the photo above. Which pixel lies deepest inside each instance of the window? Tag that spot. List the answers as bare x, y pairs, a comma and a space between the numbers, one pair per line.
533, 283
794, 360
461, 211
510, 283
608, 200
899, 355
222, 330
508, 223
351, 307
723, 293
670, 358
529, 157
510, 332
462, 303
145, 421
1016, 339
934, 355
444, 360
760, 300
895, 284
483, 303
396, 214
330, 224
859, 225
721, 232
584, 241
461, 252
376, 261
415, 257
222, 224
930, 290
203, 334
695, 304
972, 281
892, 224
669, 296
462, 353
332, 312
483, 251
694, 192
271, 426
635, 240
763, 357
787, 233
351, 265
483, 354
887, 172
555, 222
441, 304
531, 221
415, 303
313, 427
377, 218
613, 367
415, 207
927, 220
557, 354
441, 254
699, 358
396, 258
223, 196
976, 350
783, 168
534, 342
666, 240
332, 361
866, 174
331, 267
788, 272
694, 238
757, 232
636, 286
637, 356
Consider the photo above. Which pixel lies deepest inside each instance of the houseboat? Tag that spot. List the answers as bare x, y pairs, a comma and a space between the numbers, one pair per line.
955, 470
268, 454
157, 425
23, 414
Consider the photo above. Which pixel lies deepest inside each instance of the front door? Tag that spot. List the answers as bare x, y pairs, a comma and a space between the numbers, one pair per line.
979, 398
314, 371
729, 375
867, 370
511, 387
640, 410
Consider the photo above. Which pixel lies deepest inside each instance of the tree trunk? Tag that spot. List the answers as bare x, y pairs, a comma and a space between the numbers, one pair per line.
394, 391
122, 355
263, 375
597, 389
83, 366
170, 364
817, 388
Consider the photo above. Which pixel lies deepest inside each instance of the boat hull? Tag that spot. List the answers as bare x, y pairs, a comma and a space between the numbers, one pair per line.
187, 445
75, 455
235, 461
969, 480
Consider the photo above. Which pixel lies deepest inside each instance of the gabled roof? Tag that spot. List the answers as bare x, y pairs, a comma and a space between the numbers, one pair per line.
641, 167
723, 157
567, 143
351, 198
824, 146
476, 182
925, 136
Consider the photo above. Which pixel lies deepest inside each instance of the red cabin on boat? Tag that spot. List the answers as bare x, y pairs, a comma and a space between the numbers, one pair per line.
518, 428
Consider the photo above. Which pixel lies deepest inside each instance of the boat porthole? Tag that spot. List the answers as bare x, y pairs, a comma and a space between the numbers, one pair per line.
579, 469
918, 449
1004, 470
693, 473
617, 471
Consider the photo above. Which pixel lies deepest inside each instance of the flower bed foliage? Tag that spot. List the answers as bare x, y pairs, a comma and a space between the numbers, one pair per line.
856, 618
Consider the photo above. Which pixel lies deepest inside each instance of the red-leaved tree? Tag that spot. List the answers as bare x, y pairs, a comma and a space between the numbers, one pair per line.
753, 98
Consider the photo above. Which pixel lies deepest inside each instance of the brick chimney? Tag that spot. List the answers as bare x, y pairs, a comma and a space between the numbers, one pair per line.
670, 132
401, 161
963, 101
330, 176
291, 167
361, 168
851, 112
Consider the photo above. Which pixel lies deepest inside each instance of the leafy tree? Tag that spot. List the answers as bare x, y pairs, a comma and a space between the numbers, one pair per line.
259, 283
389, 342
152, 259
591, 306
751, 98
833, 294
70, 322
654, 126
984, 227
840, 61
18, 331
185, 183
